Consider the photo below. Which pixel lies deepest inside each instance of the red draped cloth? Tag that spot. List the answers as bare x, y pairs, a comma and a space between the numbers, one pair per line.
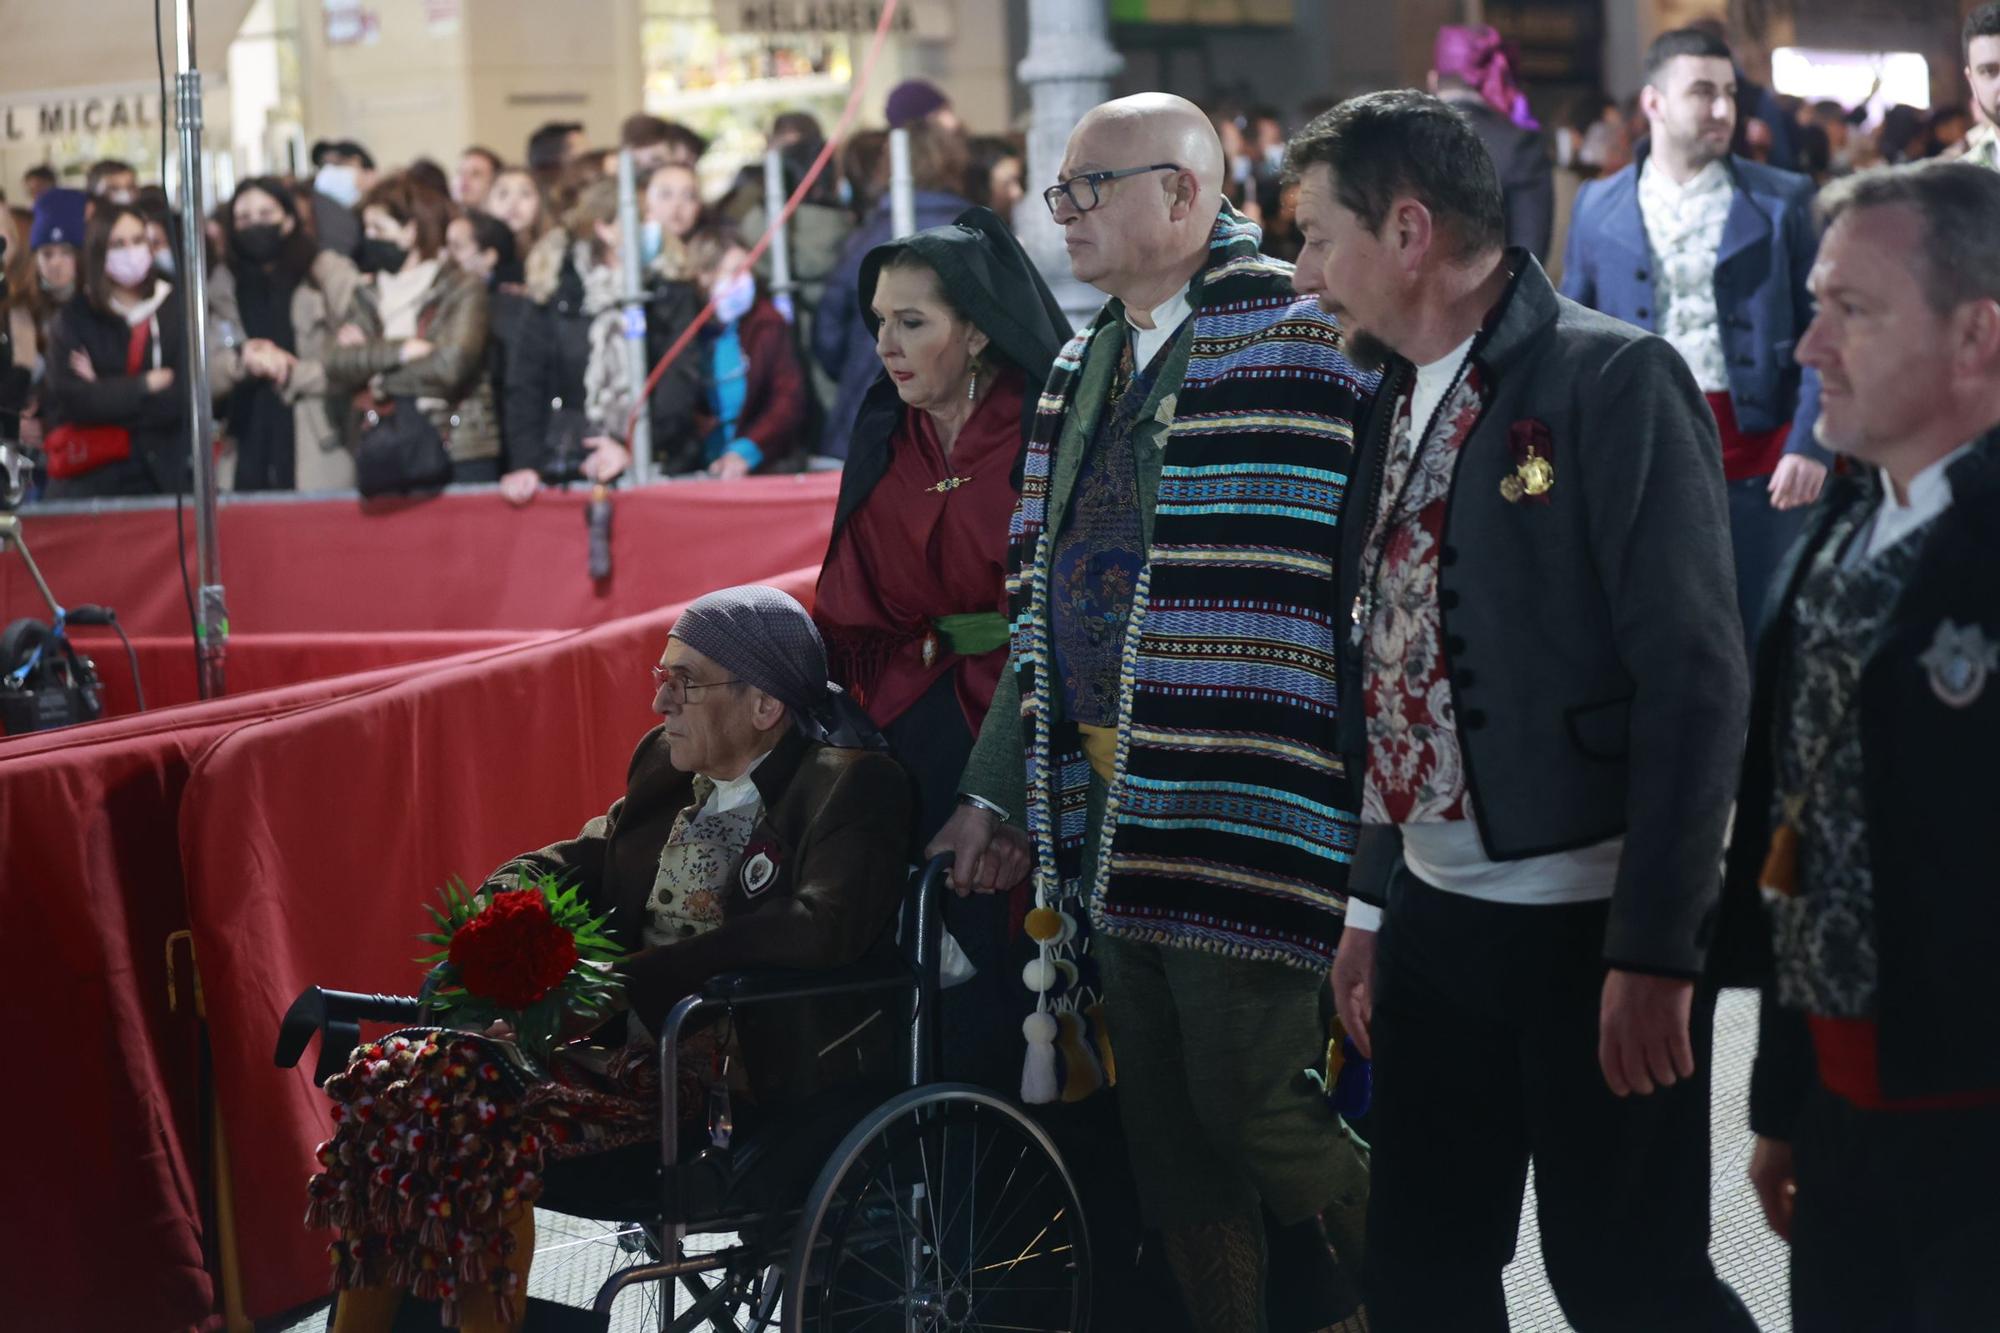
920, 547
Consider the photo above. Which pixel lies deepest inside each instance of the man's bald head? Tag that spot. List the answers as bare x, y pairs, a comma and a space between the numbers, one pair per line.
1149, 231
1153, 127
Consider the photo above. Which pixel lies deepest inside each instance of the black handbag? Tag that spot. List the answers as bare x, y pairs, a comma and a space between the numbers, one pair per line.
400, 450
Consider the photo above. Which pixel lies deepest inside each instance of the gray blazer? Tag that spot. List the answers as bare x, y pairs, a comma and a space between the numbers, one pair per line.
1592, 640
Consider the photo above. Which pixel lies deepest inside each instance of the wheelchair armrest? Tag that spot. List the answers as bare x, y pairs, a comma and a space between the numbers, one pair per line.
793, 983
336, 1016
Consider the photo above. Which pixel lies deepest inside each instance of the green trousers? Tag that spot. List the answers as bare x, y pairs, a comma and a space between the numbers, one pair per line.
1217, 1110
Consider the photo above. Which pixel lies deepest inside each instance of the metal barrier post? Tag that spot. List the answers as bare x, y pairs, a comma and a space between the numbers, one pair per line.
211, 611
635, 314
902, 189
781, 239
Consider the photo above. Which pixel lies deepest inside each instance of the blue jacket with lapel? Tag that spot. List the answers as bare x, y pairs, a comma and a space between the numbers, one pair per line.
1768, 247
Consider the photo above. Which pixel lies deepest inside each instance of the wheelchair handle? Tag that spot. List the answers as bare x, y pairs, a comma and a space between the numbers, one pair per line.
336, 1017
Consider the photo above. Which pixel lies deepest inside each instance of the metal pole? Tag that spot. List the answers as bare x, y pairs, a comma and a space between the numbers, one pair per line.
781, 239
211, 611
635, 314
902, 189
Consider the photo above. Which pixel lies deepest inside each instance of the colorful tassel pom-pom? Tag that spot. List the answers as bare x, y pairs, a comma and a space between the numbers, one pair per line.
1038, 1073
1043, 925
1081, 1073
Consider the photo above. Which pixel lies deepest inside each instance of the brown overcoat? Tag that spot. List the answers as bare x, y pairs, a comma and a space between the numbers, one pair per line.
835, 831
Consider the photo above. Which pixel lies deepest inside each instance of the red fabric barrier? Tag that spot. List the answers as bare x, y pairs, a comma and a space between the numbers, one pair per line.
312, 839
446, 563
103, 1113
263, 661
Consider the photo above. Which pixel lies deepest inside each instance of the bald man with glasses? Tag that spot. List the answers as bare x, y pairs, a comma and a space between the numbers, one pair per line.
1163, 752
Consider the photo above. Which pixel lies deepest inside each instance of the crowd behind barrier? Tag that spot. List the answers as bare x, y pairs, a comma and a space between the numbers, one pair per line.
488, 297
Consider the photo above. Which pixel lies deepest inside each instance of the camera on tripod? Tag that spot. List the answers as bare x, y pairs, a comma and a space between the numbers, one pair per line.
44, 681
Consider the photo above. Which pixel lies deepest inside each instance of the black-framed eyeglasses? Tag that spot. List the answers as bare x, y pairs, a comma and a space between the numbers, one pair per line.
1081, 191
680, 690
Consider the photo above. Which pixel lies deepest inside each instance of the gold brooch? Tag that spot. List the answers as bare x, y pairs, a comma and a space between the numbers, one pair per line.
1533, 476
948, 484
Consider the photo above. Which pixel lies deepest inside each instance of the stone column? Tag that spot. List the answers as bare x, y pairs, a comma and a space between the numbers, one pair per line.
1067, 71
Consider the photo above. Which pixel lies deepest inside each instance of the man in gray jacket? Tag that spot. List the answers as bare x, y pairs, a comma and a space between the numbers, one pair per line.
1539, 623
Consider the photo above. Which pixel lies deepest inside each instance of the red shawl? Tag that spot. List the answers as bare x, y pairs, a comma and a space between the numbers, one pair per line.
913, 551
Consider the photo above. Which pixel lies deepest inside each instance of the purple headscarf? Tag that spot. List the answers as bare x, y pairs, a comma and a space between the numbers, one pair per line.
1478, 57
763, 637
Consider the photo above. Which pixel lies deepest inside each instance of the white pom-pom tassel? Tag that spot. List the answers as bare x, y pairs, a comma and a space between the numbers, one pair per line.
1038, 1074
1039, 975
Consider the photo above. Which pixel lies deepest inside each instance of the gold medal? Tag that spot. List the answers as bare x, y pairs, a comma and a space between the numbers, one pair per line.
1537, 475
1511, 489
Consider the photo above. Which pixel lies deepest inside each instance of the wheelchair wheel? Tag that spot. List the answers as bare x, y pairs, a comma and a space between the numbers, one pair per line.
946, 1210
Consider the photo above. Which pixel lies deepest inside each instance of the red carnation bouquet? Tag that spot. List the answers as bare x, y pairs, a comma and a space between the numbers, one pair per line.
531, 956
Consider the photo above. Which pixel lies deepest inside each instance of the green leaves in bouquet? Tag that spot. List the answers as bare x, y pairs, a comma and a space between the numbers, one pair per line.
589, 989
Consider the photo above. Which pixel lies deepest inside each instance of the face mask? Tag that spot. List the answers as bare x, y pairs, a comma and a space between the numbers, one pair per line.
844, 191
163, 263
652, 240
734, 298
260, 244
119, 196
129, 265
59, 293
381, 256
338, 183
1274, 157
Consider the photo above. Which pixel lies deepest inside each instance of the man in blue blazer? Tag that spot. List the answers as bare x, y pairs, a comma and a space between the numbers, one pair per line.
1711, 252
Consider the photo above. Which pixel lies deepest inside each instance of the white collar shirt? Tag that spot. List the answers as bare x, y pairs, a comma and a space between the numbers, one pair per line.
1168, 316
1929, 495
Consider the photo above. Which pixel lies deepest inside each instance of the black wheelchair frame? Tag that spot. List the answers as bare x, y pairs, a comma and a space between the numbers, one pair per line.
848, 1207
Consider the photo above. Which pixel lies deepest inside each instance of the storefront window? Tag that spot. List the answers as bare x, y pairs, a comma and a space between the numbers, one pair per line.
730, 85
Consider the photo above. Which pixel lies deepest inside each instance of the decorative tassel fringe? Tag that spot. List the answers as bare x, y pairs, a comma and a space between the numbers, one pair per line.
431, 1155
1082, 1075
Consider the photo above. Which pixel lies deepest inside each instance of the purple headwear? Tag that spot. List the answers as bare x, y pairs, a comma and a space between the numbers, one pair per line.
763, 637
911, 100
1478, 57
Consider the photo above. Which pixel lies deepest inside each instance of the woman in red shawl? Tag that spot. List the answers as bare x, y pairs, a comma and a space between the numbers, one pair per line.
912, 595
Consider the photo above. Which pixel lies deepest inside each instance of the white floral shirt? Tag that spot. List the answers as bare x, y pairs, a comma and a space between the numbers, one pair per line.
1684, 225
1416, 773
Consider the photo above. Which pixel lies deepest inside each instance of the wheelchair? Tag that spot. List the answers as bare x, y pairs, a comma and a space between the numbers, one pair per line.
936, 1208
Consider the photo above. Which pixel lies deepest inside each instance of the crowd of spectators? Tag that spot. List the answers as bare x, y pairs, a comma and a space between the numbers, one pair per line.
484, 296
531, 390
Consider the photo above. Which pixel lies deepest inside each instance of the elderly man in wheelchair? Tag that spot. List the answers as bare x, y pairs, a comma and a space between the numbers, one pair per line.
754, 869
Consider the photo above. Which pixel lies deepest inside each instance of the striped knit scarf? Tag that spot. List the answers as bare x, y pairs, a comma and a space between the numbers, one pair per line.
1227, 826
